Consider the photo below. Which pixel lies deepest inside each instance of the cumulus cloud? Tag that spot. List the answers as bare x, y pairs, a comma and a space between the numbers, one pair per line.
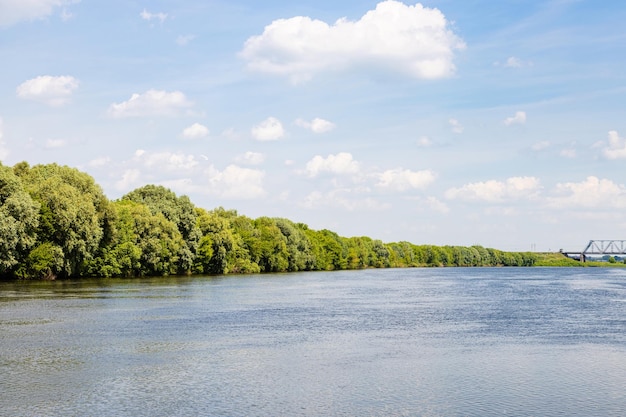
316, 125
456, 126
269, 129
146, 15
183, 40
342, 163
166, 161
100, 162
151, 103
616, 148
54, 91
493, 191
591, 193
55, 143
513, 62
196, 131
345, 199
540, 146
415, 40
15, 11
424, 142
518, 119
436, 205
250, 158
130, 179
403, 179
235, 182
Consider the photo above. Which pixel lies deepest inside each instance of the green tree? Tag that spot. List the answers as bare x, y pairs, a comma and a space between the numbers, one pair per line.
299, 253
180, 211
19, 219
221, 249
73, 211
144, 244
329, 249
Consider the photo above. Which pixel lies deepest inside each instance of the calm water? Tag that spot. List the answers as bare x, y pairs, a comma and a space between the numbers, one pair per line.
410, 342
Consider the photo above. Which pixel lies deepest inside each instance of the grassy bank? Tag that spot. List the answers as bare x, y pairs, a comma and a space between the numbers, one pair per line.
558, 259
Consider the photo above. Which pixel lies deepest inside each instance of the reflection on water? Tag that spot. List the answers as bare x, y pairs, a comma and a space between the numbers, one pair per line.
411, 342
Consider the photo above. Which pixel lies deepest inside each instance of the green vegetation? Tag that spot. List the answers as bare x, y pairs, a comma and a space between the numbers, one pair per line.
56, 222
558, 259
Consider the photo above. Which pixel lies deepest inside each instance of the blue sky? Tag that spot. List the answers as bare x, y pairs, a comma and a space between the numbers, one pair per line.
443, 122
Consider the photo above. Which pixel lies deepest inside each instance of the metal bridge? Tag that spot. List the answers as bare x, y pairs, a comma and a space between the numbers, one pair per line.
600, 248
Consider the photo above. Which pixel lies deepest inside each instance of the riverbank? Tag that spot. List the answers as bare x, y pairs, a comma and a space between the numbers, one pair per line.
558, 259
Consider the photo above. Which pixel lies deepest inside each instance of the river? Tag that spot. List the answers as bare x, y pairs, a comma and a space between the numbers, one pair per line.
394, 342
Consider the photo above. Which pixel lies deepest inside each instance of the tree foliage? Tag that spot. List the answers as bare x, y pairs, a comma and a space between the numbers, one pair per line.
18, 221
56, 222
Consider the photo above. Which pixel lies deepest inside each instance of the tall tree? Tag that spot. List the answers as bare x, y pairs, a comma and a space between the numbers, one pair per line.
72, 214
178, 210
19, 218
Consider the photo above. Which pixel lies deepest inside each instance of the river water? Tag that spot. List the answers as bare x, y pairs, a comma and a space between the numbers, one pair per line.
395, 342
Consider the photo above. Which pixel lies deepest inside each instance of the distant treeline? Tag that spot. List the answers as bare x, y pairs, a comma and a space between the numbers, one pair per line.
56, 222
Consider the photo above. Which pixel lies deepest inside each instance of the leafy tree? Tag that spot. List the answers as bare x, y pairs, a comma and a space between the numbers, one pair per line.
72, 213
221, 249
43, 262
144, 243
18, 221
329, 249
178, 210
299, 253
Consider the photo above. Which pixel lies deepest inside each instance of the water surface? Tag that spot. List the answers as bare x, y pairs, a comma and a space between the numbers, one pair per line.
396, 342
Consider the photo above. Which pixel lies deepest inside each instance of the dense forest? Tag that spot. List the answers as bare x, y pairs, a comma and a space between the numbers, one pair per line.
56, 222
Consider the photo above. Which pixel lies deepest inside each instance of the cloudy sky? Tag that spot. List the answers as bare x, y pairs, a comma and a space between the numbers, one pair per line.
499, 123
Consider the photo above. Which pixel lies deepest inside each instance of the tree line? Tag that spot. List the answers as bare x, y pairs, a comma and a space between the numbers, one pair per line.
56, 222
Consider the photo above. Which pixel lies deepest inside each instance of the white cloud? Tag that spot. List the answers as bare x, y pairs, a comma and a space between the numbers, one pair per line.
403, 179
66, 16
196, 131
540, 146
436, 205
342, 163
513, 62
616, 148
235, 182
316, 125
568, 153
4, 152
231, 134
424, 142
100, 162
518, 119
455, 125
54, 91
183, 40
55, 143
150, 103
415, 40
14, 11
590, 193
493, 191
269, 129
167, 161
129, 180
146, 15
250, 158
345, 199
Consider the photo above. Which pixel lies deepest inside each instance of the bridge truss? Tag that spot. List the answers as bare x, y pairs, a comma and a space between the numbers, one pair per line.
600, 248
605, 247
